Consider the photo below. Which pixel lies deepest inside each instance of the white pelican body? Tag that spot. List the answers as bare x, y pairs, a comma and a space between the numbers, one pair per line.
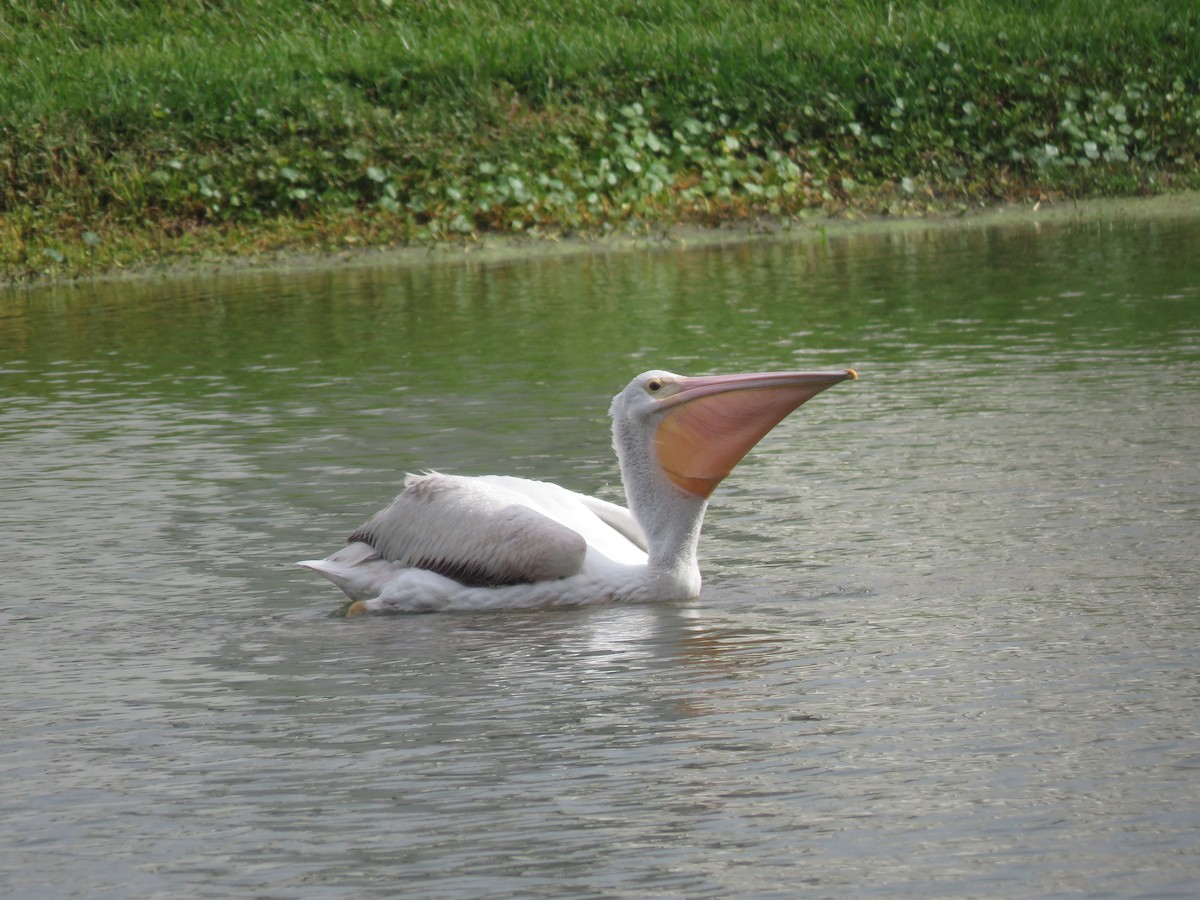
452, 542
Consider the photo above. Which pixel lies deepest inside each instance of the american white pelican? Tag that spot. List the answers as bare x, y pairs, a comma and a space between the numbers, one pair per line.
450, 542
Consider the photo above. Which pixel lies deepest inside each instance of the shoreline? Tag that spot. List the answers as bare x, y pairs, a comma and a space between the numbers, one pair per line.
501, 248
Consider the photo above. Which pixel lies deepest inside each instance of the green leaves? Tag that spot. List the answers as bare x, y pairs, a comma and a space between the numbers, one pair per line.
458, 118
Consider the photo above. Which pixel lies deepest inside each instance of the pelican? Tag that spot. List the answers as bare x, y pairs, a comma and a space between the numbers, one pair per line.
451, 542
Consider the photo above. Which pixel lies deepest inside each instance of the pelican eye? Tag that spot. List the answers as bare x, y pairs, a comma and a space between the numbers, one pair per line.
654, 385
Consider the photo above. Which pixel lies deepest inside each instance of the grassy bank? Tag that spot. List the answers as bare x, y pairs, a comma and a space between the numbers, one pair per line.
136, 133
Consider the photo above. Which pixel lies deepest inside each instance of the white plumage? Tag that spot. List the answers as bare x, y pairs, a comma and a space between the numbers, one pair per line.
455, 542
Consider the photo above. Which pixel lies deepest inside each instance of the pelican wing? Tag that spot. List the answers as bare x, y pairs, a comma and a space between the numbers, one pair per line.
608, 529
478, 534
618, 518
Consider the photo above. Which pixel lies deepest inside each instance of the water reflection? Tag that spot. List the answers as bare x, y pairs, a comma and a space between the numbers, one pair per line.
946, 643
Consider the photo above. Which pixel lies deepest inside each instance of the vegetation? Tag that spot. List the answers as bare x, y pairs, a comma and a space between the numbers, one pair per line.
134, 132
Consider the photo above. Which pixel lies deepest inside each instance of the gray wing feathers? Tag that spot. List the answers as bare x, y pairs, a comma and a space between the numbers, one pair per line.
472, 532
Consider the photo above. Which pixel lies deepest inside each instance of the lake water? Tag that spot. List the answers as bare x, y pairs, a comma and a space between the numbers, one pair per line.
948, 643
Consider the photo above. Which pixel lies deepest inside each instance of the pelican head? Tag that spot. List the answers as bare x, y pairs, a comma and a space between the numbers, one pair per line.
694, 430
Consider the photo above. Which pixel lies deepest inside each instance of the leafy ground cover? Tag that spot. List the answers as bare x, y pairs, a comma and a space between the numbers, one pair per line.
136, 132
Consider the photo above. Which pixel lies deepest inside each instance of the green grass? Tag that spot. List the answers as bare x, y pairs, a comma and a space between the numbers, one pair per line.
133, 132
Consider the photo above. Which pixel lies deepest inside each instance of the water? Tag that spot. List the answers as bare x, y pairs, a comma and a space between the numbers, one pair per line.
947, 644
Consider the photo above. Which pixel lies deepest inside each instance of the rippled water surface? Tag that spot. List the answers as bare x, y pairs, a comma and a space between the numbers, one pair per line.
948, 644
